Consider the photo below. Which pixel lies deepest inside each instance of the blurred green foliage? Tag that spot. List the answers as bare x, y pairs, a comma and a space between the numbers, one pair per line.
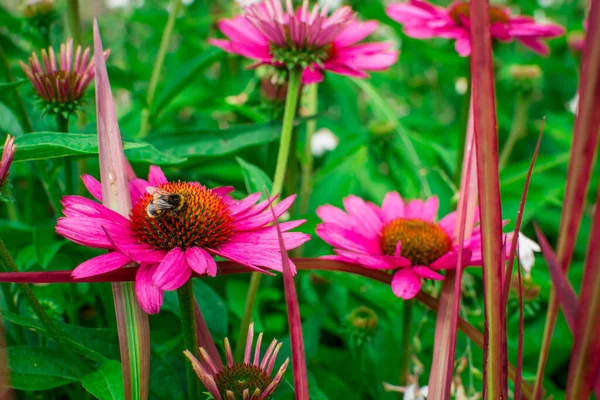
209, 123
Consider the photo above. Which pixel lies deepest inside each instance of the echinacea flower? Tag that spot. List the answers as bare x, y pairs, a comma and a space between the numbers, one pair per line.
200, 224
60, 84
403, 238
310, 39
247, 380
422, 20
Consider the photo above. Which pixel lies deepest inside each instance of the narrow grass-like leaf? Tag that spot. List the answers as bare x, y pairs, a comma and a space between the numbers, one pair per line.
486, 139
442, 366
294, 320
515, 238
562, 286
132, 321
581, 162
519, 372
585, 357
204, 337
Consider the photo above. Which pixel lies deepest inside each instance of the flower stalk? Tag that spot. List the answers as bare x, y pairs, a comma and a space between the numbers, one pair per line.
312, 100
74, 20
185, 295
158, 64
518, 129
407, 317
291, 104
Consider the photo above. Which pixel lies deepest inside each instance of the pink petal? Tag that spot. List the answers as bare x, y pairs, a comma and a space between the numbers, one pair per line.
93, 186
368, 221
463, 46
374, 261
535, 44
100, 265
251, 255
156, 176
240, 257
265, 217
149, 296
137, 188
448, 223
450, 259
173, 271
312, 74
430, 209
427, 273
406, 283
201, 261
355, 32
348, 239
392, 207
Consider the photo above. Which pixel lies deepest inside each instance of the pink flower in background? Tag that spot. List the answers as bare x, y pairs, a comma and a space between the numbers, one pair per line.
422, 20
313, 40
246, 380
403, 238
175, 229
61, 86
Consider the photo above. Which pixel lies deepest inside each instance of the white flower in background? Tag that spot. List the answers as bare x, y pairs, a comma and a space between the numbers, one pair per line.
527, 248
411, 392
332, 4
461, 85
244, 3
573, 104
323, 140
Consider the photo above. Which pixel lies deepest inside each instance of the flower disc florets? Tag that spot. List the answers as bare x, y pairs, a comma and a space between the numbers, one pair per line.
422, 242
240, 377
202, 220
460, 12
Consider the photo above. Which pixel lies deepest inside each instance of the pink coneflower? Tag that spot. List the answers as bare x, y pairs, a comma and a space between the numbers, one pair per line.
403, 238
61, 86
250, 380
313, 40
8, 152
195, 224
422, 20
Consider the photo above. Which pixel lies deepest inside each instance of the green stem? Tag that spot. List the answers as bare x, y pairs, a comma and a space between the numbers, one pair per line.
518, 128
291, 102
464, 120
190, 339
10, 266
312, 99
24, 116
158, 64
62, 123
406, 347
74, 20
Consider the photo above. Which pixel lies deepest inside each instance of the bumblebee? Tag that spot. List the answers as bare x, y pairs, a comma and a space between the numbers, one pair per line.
164, 203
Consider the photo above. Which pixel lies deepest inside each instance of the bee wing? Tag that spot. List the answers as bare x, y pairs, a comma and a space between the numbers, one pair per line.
156, 192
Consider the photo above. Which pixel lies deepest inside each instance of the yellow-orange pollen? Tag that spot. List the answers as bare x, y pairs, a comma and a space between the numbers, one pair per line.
204, 220
422, 242
497, 14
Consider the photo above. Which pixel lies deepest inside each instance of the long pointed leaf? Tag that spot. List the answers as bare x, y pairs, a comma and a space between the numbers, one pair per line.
442, 366
562, 286
585, 357
515, 238
486, 138
294, 320
583, 152
132, 321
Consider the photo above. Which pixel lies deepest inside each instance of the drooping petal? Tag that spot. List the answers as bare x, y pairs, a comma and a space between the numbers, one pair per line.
149, 296
406, 283
201, 261
100, 265
173, 271
93, 186
156, 176
427, 273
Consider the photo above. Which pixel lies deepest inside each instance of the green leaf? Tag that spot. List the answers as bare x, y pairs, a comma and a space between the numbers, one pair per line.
214, 143
97, 344
5, 87
186, 73
213, 307
107, 382
9, 123
38, 368
151, 155
255, 178
44, 145
46, 244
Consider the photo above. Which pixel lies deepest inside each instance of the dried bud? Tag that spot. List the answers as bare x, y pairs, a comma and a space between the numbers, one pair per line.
8, 152
575, 41
38, 8
525, 72
362, 324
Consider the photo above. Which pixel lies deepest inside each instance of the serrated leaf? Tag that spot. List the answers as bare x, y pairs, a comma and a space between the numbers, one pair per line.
255, 178
107, 382
38, 368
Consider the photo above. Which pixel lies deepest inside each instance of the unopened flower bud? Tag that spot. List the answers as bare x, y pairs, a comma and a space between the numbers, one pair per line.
38, 8
362, 324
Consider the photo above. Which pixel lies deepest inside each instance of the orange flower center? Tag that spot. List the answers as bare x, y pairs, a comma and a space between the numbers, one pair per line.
422, 242
497, 14
181, 214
